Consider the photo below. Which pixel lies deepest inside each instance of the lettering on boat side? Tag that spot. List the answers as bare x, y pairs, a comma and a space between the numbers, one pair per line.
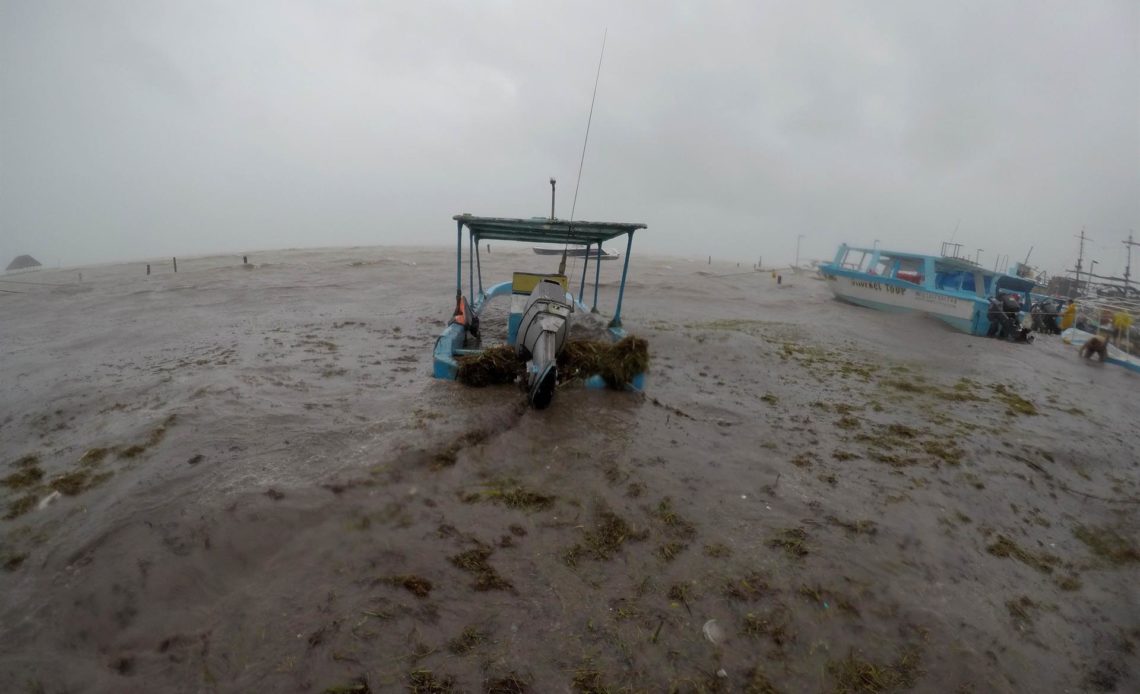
890, 289
936, 298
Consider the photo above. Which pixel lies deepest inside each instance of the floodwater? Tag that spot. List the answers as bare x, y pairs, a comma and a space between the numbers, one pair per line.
266, 491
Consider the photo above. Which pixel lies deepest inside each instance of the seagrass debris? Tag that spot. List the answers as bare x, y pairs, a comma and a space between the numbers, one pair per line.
617, 363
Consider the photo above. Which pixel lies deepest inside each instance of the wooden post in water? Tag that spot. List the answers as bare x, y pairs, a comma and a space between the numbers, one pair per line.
175, 264
245, 260
148, 269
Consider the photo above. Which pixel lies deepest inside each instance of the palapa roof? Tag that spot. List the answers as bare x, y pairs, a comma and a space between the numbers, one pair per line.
545, 229
23, 261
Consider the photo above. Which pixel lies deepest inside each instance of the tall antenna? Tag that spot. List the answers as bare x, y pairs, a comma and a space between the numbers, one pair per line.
582, 161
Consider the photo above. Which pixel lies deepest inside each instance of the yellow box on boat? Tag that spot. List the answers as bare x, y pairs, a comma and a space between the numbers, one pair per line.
524, 282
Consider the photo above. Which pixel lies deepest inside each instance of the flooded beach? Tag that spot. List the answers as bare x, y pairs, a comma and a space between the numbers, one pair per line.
243, 478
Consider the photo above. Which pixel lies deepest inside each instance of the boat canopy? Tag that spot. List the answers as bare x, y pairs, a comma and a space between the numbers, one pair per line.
538, 230
544, 229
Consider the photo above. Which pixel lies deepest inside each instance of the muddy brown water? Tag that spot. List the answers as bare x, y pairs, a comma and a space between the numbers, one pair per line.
842, 491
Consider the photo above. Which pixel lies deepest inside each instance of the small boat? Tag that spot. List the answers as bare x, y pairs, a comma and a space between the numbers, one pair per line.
592, 253
954, 290
542, 304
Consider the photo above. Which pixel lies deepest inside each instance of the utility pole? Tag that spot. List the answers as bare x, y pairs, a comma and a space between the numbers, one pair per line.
1128, 266
1081, 255
552, 182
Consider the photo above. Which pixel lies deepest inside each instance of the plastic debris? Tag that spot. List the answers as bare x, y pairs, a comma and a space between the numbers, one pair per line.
48, 500
713, 631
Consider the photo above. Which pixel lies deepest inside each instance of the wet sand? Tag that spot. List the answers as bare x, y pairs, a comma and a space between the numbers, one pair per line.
262, 489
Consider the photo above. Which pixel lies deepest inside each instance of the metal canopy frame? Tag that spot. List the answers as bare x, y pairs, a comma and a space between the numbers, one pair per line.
541, 230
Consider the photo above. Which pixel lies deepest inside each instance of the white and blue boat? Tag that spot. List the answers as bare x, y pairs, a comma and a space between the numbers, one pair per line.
542, 304
953, 290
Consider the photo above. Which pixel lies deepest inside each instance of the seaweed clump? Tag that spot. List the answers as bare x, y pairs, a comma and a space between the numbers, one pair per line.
1005, 547
21, 506
1107, 544
416, 585
1015, 403
493, 366
792, 540
855, 675
514, 496
474, 561
76, 482
616, 363
425, 682
510, 683
466, 641
27, 477
356, 686
775, 625
605, 539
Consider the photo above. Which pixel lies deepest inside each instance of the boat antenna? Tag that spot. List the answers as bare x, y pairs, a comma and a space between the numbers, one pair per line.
582, 160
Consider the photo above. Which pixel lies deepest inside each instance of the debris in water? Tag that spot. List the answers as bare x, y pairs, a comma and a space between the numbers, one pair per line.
29, 476
357, 686
854, 675
1107, 544
1005, 547
48, 500
475, 562
425, 682
466, 641
1015, 403
20, 506
605, 539
616, 363
511, 683
493, 366
713, 631
792, 541
416, 585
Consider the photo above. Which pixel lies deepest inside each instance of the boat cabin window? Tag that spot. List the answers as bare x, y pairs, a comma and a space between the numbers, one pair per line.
905, 269
855, 259
958, 280
909, 270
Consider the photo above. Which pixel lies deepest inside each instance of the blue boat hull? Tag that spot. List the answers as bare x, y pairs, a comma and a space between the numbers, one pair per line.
962, 312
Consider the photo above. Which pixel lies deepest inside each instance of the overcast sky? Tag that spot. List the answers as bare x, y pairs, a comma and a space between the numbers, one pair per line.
146, 129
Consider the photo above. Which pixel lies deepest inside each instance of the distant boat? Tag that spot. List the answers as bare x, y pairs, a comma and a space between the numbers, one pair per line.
603, 254
953, 290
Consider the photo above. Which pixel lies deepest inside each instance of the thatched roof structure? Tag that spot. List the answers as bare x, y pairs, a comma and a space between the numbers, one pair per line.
23, 262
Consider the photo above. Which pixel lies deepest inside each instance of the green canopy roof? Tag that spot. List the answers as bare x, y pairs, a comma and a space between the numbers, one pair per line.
544, 229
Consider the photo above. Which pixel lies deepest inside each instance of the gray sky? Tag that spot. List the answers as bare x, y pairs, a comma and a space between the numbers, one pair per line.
139, 129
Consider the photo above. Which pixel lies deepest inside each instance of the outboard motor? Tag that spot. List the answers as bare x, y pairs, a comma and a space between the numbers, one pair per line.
541, 336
